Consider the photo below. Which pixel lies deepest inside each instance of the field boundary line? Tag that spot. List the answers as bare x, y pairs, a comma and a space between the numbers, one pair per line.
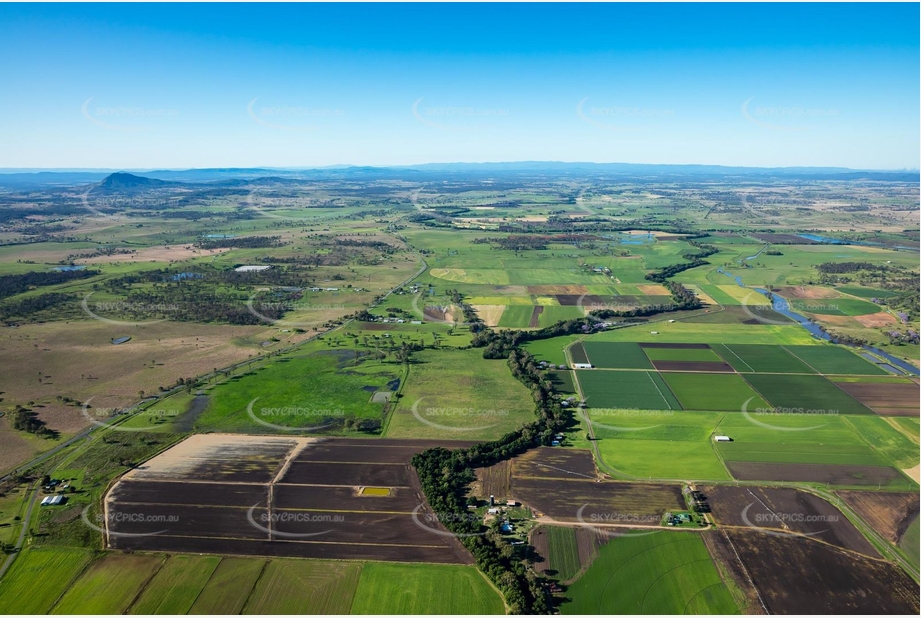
738, 357
144, 586
265, 566
748, 575
719, 583
72, 581
661, 394
202, 589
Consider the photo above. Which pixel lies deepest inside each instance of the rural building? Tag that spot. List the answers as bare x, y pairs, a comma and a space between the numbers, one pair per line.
582, 366
722, 438
250, 269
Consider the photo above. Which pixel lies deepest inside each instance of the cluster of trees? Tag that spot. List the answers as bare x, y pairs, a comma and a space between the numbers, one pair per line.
33, 304
11, 285
244, 242
445, 475
695, 259
28, 421
847, 267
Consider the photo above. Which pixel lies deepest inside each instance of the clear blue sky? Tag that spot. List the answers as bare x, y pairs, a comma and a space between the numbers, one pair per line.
147, 86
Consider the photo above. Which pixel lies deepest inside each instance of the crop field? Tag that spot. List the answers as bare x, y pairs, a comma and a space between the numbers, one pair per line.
688, 332
176, 585
643, 390
459, 395
808, 394
681, 354
109, 585
516, 316
850, 583
304, 587
622, 355
562, 552
718, 392
283, 497
563, 485
229, 587
893, 397
424, 589
832, 360
786, 509
550, 350
761, 359
669, 573
39, 577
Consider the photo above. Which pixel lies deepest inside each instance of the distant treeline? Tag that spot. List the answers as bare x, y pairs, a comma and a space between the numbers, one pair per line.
244, 242
10, 285
847, 267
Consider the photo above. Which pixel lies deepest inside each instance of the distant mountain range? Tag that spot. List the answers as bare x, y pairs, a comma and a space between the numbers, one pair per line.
144, 179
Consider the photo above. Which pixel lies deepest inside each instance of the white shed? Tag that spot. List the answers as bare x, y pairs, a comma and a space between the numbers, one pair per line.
722, 438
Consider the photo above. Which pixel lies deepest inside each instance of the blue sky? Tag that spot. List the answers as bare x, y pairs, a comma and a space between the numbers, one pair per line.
150, 86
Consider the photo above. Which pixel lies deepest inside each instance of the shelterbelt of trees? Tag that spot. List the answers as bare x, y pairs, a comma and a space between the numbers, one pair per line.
445, 474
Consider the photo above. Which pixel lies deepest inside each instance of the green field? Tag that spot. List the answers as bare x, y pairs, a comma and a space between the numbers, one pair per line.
684, 332
862, 292
911, 541
109, 585
804, 394
658, 445
516, 316
550, 350
229, 587
563, 558
424, 589
681, 354
39, 577
326, 384
829, 359
711, 391
795, 438
643, 390
304, 587
551, 315
176, 586
666, 573
616, 355
761, 358
457, 394
836, 306
886, 440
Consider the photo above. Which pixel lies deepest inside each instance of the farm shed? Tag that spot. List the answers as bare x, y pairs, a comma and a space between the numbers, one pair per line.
722, 438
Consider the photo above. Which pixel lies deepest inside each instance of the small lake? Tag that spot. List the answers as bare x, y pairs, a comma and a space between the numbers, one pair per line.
69, 268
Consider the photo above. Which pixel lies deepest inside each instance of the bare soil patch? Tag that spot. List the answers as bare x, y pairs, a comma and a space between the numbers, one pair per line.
163, 253
535, 316
785, 509
708, 366
811, 473
876, 320
890, 513
816, 578
276, 496
496, 480
881, 396
807, 292
490, 314
653, 289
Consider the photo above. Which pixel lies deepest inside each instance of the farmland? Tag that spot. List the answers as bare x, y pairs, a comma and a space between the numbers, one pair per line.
669, 573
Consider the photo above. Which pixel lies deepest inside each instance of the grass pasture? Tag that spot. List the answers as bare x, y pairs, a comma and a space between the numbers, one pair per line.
564, 551
229, 587
661, 573
516, 316
424, 589
458, 394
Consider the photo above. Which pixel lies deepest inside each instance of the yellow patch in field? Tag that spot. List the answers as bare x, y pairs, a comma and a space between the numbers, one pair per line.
380, 492
490, 314
546, 301
652, 289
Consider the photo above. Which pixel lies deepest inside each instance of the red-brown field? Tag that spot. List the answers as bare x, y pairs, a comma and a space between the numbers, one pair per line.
785, 509
884, 398
841, 474
796, 575
889, 513
707, 366
677, 346
280, 496
534, 322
